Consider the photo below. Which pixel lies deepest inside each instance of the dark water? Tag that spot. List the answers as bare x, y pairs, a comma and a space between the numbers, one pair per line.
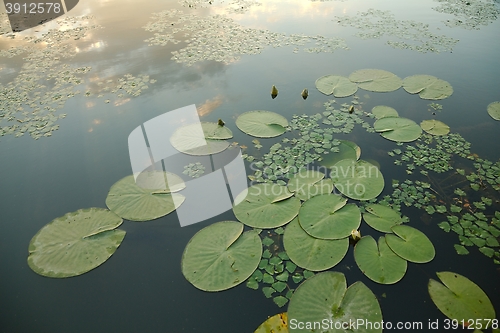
141, 287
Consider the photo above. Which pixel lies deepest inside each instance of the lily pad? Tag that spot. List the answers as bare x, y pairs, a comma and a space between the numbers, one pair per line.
459, 298
309, 183
346, 149
339, 86
381, 218
275, 324
435, 127
75, 243
379, 263
262, 124
312, 253
328, 217
147, 198
358, 180
266, 206
494, 110
201, 138
427, 87
398, 129
326, 295
221, 256
410, 244
376, 80
382, 111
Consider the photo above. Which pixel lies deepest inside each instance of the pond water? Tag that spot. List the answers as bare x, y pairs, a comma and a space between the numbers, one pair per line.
289, 44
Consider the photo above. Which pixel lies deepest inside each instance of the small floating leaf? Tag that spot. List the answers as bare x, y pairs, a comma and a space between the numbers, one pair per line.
147, 198
379, 263
221, 256
410, 244
328, 217
339, 86
75, 243
381, 218
376, 80
358, 180
258, 207
312, 253
382, 111
462, 250
193, 140
459, 298
398, 129
435, 127
262, 124
326, 295
494, 110
427, 87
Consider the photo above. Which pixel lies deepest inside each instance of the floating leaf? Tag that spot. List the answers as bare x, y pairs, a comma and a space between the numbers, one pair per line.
346, 150
381, 218
379, 263
358, 180
259, 209
398, 129
459, 298
147, 198
339, 86
435, 127
221, 256
201, 138
312, 253
326, 295
328, 217
410, 244
382, 111
274, 324
427, 87
309, 183
494, 110
445, 226
262, 124
75, 243
280, 301
376, 80
462, 250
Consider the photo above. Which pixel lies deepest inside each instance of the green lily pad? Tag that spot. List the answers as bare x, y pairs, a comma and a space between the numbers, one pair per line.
75, 243
221, 256
427, 87
435, 127
275, 324
209, 139
328, 217
410, 244
398, 129
494, 110
262, 124
312, 253
459, 298
358, 180
379, 263
381, 218
147, 198
326, 295
382, 111
266, 206
339, 86
346, 149
376, 80
309, 183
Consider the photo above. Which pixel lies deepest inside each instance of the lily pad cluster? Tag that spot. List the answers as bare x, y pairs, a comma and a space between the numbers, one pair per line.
80, 241
471, 14
194, 170
220, 38
408, 34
